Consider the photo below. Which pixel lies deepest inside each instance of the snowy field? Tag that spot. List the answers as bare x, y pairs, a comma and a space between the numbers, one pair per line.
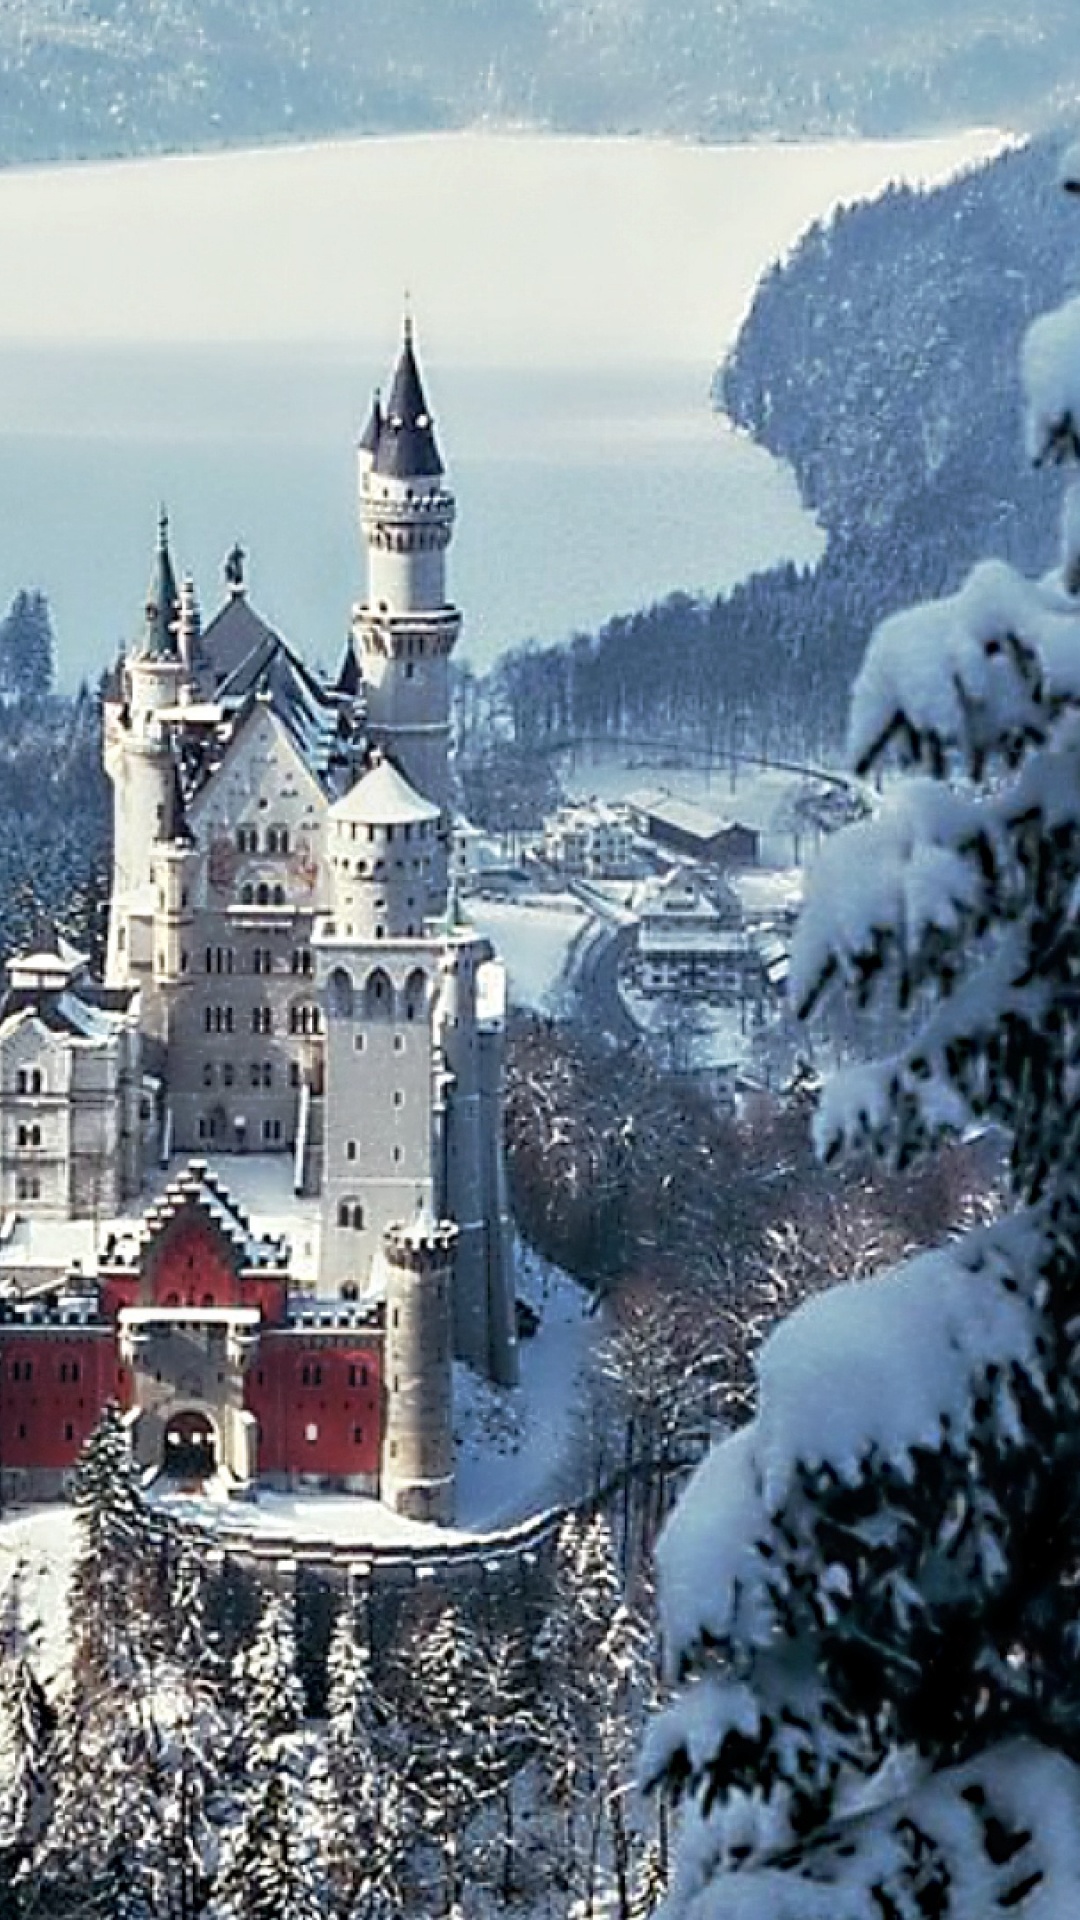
207, 329
535, 938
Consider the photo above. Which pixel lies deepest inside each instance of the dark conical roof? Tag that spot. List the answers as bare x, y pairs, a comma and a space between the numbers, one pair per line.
349, 680
369, 439
406, 448
162, 599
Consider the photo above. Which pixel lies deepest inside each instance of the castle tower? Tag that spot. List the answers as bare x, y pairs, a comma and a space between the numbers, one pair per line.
469, 1026
418, 1438
376, 967
139, 761
405, 630
175, 859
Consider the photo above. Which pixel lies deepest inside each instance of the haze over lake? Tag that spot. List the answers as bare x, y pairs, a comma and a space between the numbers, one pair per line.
206, 330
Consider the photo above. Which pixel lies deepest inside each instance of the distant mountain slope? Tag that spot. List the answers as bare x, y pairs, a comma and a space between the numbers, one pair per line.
881, 361
116, 76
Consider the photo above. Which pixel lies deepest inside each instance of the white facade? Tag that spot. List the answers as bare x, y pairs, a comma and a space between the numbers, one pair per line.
282, 969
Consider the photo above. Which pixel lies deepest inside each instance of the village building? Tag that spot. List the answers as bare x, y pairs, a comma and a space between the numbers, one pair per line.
590, 842
287, 976
699, 832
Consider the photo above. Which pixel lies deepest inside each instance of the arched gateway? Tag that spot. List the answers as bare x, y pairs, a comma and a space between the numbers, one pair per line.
190, 1445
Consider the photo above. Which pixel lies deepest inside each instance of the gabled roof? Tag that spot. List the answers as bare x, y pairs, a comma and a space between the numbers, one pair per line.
383, 798
235, 631
310, 715
405, 446
200, 1189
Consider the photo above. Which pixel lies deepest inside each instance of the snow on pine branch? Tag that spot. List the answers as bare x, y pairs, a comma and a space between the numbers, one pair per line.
889, 889
863, 1374
998, 1835
965, 674
1050, 374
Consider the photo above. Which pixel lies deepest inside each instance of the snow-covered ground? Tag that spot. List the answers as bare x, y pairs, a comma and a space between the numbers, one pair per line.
534, 936
765, 798
573, 297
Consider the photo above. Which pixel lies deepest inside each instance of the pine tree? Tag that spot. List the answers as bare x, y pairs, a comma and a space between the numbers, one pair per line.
440, 1766
27, 648
28, 1756
364, 1845
112, 1580
868, 1592
270, 1869
271, 1695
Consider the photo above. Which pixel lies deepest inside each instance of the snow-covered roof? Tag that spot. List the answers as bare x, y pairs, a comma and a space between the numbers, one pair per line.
199, 1186
384, 798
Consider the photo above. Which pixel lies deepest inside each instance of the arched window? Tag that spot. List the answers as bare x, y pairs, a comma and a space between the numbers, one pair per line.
36, 1083
416, 994
262, 894
247, 896
378, 996
340, 991
279, 896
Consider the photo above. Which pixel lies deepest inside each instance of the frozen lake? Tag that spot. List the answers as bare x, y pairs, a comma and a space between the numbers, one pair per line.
206, 330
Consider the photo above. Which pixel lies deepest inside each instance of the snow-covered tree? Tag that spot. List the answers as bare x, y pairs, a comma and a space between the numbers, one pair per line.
272, 1697
113, 1571
365, 1829
868, 1593
26, 648
27, 1755
270, 1868
441, 1770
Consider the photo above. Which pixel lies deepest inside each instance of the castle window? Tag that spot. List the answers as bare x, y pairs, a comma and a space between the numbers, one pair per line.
228, 1074
399, 1097
271, 1132
262, 894
358, 1043
399, 1043
262, 1019
208, 1301
247, 896
277, 839
311, 1432
22, 1430
247, 839
358, 1436
294, 1073
304, 1017
358, 1376
262, 960
350, 1149
350, 1291
69, 1431
398, 1156
208, 1074
279, 896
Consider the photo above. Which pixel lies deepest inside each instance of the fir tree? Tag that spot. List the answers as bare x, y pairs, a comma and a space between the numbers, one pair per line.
270, 1869
868, 1592
27, 648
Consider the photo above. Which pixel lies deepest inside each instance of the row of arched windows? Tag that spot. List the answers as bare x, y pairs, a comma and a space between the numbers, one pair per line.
262, 895
376, 998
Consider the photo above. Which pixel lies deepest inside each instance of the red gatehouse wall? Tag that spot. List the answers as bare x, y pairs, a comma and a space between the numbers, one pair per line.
191, 1265
54, 1385
296, 1384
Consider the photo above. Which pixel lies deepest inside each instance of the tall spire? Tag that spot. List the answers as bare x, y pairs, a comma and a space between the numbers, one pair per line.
406, 448
162, 600
369, 440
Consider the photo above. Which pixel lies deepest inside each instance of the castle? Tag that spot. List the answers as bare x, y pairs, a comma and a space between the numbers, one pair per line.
288, 981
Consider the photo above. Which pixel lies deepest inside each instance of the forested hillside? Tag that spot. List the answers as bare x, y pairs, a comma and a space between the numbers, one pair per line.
879, 360
107, 76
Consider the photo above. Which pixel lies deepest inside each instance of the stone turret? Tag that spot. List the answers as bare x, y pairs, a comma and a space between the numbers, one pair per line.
418, 1441
406, 629
139, 761
383, 844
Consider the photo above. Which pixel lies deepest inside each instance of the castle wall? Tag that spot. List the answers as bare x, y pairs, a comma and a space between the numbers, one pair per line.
319, 1408
55, 1384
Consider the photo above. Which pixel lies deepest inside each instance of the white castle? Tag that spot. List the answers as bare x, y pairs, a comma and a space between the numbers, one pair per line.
287, 973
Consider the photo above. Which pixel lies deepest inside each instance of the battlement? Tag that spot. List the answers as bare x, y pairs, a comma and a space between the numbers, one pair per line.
422, 1242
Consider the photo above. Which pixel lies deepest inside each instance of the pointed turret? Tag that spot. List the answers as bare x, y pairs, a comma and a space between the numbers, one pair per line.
368, 444
406, 448
162, 600
348, 680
